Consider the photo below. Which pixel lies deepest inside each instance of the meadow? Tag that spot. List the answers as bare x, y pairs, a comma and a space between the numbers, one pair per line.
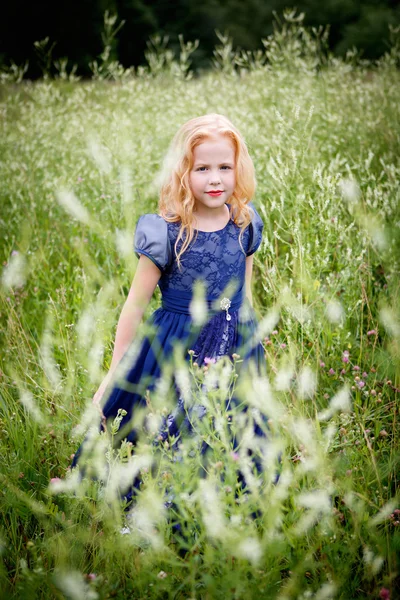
79, 163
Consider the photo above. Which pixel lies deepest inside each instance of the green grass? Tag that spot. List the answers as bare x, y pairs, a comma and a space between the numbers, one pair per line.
325, 142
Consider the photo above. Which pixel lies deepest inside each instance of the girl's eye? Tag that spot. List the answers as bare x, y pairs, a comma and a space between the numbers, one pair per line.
225, 167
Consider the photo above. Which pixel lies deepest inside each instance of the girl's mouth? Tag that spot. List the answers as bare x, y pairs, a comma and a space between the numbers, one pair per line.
216, 193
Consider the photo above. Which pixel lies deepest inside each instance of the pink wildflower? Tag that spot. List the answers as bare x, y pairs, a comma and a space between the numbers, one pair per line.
322, 364
361, 384
331, 371
356, 368
283, 345
55, 480
235, 456
371, 332
345, 358
384, 594
209, 361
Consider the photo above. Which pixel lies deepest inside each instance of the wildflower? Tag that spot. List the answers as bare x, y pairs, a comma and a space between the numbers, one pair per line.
209, 361
373, 392
345, 358
349, 190
343, 372
283, 345
162, 575
322, 364
334, 311
372, 332
71, 204
384, 594
250, 548
365, 374
331, 371
284, 378
306, 383
274, 332
356, 368
14, 274
235, 456
383, 433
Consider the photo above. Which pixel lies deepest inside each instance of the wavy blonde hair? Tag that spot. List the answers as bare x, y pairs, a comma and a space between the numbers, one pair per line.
177, 202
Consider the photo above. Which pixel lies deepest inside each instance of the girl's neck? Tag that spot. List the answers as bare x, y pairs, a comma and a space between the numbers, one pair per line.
211, 219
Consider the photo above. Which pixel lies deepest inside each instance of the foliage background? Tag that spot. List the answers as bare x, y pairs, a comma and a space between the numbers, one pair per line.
76, 27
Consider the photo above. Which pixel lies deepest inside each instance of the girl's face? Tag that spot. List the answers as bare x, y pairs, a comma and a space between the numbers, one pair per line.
212, 178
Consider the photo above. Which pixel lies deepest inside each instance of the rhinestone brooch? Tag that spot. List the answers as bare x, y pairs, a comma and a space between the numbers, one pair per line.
225, 304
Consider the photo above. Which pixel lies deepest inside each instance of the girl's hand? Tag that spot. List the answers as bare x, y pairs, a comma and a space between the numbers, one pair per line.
102, 388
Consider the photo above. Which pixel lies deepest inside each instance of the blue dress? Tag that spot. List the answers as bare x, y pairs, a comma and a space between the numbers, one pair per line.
216, 258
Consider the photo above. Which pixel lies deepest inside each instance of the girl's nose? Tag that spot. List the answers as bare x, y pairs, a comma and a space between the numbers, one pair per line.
215, 179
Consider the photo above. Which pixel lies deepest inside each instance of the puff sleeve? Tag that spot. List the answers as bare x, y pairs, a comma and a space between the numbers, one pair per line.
255, 229
151, 239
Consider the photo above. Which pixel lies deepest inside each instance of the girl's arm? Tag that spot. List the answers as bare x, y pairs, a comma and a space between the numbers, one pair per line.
249, 273
140, 293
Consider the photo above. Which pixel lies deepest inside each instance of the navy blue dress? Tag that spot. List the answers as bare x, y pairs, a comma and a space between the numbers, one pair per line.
216, 258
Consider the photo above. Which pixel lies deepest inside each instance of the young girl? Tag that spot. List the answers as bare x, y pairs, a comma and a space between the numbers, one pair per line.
206, 230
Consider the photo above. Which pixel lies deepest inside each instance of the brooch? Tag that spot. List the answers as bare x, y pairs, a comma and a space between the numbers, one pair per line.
225, 304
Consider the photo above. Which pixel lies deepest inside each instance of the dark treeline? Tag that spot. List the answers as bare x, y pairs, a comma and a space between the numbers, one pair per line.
76, 27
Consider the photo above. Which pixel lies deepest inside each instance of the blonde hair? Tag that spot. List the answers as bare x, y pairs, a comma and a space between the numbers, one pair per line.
176, 198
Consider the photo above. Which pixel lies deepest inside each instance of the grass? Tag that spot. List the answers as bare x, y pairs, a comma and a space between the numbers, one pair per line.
324, 138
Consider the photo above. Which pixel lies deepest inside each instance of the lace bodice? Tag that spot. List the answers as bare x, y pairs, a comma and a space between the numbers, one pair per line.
217, 257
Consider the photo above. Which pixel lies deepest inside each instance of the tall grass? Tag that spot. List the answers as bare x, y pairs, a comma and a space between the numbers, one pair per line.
79, 164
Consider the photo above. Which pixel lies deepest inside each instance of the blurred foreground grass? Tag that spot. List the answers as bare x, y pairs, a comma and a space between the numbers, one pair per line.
79, 164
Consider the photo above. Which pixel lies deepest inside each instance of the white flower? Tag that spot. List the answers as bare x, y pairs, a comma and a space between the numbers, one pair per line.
350, 190
73, 585
70, 202
28, 402
198, 305
250, 549
123, 241
334, 311
341, 402
390, 321
306, 383
384, 513
268, 323
14, 274
283, 379
100, 155
326, 592
317, 500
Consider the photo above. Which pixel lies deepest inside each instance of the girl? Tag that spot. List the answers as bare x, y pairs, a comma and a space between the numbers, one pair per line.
206, 230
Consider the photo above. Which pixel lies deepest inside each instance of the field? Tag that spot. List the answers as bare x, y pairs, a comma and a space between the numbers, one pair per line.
79, 162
